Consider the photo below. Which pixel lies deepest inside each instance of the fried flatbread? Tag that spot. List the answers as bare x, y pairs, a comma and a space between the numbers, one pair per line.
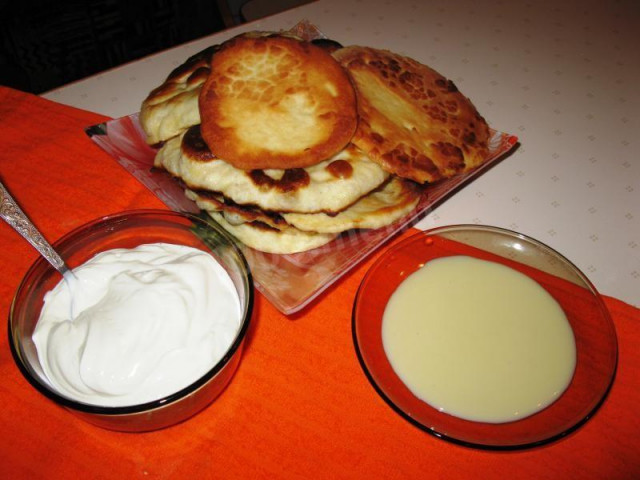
378, 209
329, 186
395, 199
276, 102
270, 233
233, 213
267, 239
172, 107
412, 120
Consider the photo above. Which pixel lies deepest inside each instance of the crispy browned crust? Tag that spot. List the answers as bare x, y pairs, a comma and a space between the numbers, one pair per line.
193, 71
173, 106
412, 120
276, 102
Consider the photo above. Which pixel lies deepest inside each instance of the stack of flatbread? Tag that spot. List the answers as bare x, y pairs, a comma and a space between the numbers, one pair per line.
287, 143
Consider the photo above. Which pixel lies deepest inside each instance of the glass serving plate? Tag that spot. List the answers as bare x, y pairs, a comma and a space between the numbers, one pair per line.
290, 282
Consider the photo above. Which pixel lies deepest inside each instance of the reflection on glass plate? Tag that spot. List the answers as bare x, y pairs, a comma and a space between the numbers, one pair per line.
290, 281
594, 333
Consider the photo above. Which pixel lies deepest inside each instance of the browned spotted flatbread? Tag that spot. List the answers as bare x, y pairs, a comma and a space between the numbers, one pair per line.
173, 106
276, 102
328, 186
264, 238
412, 120
390, 202
381, 207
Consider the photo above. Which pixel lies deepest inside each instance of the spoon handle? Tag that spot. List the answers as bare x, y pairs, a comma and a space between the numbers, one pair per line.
14, 216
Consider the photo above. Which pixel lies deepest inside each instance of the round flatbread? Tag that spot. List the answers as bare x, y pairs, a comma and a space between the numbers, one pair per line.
172, 107
378, 209
266, 239
412, 120
276, 102
233, 213
329, 186
392, 201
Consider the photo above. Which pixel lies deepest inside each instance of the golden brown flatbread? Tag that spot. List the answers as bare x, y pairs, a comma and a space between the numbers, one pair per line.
381, 207
276, 102
392, 201
173, 106
328, 186
234, 213
269, 232
412, 120
287, 143
266, 239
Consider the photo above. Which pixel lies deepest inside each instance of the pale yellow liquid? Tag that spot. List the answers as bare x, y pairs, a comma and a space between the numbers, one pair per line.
478, 340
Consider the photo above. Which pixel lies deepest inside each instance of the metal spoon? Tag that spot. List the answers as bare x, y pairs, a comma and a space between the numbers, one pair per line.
14, 216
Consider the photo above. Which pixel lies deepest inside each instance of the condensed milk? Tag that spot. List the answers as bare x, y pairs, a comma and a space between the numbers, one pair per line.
478, 340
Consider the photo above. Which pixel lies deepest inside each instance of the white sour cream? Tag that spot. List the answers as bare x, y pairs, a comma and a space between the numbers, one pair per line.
478, 340
148, 322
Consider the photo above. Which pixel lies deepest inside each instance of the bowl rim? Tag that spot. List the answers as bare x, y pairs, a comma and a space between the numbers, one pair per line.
447, 437
146, 407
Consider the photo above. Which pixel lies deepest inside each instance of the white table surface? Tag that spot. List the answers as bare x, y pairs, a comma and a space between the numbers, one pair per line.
563, 76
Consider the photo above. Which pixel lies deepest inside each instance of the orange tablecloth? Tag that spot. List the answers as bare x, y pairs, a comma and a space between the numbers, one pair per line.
299, 405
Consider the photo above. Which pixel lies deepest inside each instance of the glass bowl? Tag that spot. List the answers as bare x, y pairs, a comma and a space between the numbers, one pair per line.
128, 230
595, 337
